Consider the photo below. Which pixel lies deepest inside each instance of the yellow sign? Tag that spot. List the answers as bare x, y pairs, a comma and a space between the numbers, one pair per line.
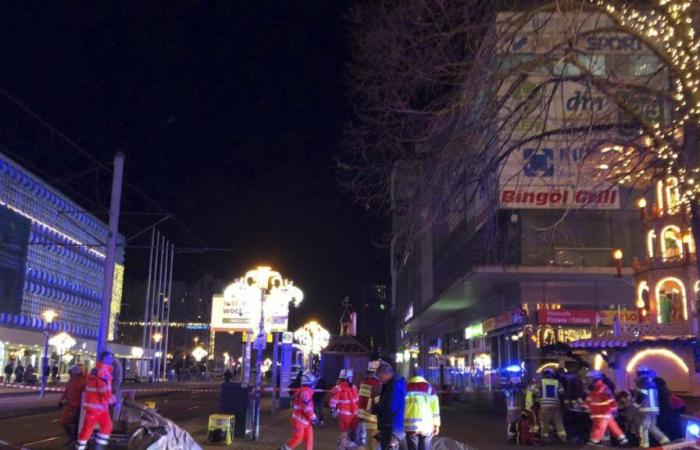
220, 429
607, 316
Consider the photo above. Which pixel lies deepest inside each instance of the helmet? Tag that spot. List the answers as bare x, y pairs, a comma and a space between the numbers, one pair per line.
548, 372
373, 365
308, 378
345, 374
646, 372
595, 375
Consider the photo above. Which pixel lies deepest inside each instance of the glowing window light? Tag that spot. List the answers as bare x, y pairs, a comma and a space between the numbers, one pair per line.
678, 282
651, 238
548, 365
598, 361
643, 287
671, 233
660, 196
668, 354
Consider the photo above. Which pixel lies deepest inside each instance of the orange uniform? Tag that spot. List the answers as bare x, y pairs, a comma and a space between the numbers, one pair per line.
601, 405
345, 401
302, 419
96, 401
72, 397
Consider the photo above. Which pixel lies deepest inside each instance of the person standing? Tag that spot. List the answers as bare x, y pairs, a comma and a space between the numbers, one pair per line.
98, 397
319, 396
390, 408
370, 389
70, 401
422, 416
601, 404
550, 393
19, 372
303, 416
647, 402
54, 374
344, 405
8, 372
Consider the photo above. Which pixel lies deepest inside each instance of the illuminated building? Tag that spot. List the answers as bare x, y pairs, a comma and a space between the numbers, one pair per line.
51, 257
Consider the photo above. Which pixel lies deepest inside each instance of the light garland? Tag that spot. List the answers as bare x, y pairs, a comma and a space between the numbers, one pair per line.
663, 352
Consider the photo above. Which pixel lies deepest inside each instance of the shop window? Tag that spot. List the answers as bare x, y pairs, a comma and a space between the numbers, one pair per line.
660, 196
673, 195
671, 242
651, 242
671, 301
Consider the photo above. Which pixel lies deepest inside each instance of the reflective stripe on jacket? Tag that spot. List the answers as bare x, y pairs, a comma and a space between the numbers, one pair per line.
549, 395
344, 399
647, 398
98, 387
600, 402
422, 407
303, 407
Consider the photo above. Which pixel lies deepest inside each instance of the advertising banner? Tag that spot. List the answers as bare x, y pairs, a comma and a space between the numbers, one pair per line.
567, 317
14, 238
608, 316
234, 314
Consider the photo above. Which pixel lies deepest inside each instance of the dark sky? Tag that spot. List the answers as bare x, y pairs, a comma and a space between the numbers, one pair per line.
229, 113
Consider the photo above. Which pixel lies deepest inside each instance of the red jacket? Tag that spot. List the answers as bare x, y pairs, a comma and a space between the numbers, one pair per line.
98, 389
370, 389
344, 398
601, 401
303, 406
72, 396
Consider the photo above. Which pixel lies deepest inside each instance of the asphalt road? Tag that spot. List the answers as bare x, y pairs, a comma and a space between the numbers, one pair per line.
42, 431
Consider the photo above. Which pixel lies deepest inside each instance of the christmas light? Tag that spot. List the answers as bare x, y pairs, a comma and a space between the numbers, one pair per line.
662, 352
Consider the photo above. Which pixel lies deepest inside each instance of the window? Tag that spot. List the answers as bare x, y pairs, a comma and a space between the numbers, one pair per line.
671, 301
643, 295
651, 243
673, 195
671, 243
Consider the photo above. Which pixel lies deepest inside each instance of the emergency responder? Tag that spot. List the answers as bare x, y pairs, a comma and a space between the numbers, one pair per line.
601, 404
370, 388
390, 408
646, 400
70, 401
303, 416
532, 405
513, 392
344, 405
98, 396
422, 412
550, 391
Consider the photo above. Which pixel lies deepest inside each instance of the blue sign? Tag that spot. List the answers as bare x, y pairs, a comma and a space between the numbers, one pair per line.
539, 162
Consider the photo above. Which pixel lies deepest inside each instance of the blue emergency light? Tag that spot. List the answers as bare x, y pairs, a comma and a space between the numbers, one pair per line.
692, 430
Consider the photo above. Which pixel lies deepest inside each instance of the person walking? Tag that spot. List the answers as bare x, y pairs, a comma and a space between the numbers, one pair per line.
98, 397
70, 401
303, 416
647, 402
390, 408
601, 404
370, 389
54, 374
422, 415
8, 372
19, 372
344, 405
550, 393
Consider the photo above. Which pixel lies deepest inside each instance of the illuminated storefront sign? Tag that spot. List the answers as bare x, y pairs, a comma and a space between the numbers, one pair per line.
473, 331
607, 317
567, 317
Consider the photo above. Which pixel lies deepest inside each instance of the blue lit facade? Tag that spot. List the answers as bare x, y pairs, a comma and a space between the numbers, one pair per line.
51, 257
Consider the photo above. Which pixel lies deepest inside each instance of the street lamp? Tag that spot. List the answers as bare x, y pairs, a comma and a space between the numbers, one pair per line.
312, 338
49, 315
63, 342
157, 337
617, 256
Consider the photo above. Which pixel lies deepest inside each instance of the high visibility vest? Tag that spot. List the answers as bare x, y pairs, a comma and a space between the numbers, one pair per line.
344, 399
650, 404
303, 407
550, 393
422, 411
98, 388
370, 389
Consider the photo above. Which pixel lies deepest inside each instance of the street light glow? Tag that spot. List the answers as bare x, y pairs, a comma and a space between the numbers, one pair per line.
62, 341
49, 315
157, 337
199, 353
312, 337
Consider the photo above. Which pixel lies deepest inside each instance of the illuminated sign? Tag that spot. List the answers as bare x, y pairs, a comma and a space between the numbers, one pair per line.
287, 337
473, 331
607, 317
567, 317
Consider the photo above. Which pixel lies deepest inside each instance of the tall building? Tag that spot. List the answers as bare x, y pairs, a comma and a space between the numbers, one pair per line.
489, 288
51, 258
374, 317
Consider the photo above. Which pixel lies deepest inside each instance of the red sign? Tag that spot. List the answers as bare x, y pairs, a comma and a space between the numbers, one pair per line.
567, 317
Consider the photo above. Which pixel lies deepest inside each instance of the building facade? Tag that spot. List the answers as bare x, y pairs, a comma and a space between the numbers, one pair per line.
490, 288
51, 258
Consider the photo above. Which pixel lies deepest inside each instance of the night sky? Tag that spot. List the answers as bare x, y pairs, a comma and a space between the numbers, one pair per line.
229, 113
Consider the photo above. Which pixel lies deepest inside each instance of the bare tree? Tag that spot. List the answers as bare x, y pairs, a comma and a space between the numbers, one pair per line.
464, 94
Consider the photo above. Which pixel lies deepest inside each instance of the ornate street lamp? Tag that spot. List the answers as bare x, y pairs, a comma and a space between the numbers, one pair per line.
312, 338
63, 342
49, 315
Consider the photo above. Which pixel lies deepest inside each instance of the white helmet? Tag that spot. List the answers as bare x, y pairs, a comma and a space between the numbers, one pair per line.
308, 378
345, 374
373, 365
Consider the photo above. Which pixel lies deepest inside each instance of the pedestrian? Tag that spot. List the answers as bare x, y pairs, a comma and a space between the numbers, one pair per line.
319, 396
390, 408
70, 401
54, 374
422, 414
344, 404
227, 376
370, 389
601, 405
550, 391
8, 372
19, 372
29, 377
647, 403
98, 397
513, 393
303, 416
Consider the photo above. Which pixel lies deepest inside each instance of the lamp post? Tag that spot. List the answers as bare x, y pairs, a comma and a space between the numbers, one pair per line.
63, 342
157, 337
617, 256
313, 338
49, 315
